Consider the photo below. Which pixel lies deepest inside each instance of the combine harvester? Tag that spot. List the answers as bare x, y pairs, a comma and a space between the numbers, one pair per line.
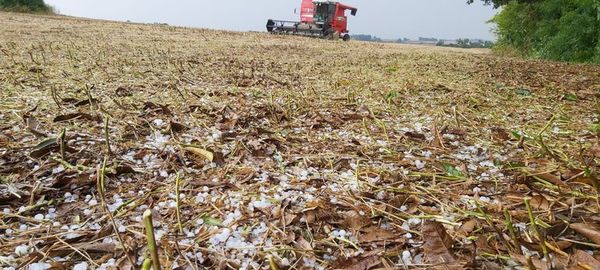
323, 19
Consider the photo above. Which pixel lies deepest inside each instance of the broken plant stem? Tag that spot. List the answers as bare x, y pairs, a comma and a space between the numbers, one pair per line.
62, 143
511, 230
101, 190
535, 228
358, 175
147, 265
488, 220
106, 137
178, 205
547, 126
151, 240
272, 263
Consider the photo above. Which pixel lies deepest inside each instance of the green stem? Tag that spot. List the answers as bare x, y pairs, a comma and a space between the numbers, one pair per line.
178, 204
535, 228
151, 240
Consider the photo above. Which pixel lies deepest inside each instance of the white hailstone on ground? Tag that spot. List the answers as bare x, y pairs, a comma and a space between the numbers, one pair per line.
160, 234
418, 259
420, 164
158, 122
262, 203
39, 217
87, 212
487, 163
22, 250
81, 266
485, 199
110, 264
39, 266
172, 204
407, 257
408, 236
164, 174
157, 140
58, 169
93, 202
414, 221
220, 237
521, 226
6, 211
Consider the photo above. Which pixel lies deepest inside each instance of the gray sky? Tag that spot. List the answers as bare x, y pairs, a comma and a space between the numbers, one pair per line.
391, 19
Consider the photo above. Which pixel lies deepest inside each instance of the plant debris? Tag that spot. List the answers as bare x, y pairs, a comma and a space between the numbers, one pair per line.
256, 151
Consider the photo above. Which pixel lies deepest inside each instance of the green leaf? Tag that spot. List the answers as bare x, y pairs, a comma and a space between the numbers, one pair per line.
391, 95
571, 97
523, 92
452, 171
516, 135
212, 221
45, 143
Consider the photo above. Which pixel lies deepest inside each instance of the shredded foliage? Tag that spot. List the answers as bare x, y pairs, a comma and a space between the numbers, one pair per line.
256, 151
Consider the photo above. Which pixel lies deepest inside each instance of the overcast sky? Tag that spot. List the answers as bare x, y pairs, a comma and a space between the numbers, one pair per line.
388, 19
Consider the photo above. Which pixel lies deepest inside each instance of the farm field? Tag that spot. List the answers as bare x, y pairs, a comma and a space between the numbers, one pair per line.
258, 151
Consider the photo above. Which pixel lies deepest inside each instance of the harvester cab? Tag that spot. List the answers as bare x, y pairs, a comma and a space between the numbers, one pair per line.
325, 19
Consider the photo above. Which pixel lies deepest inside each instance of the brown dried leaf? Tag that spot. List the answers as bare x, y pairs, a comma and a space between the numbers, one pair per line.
539, 202
355, 221
200, 152
582, 260
376, 234
535, 262
303, 245
72, 116
438, 244
359, 264
467, 227
587, 230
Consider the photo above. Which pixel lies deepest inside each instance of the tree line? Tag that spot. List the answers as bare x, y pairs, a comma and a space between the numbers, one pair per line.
561, 30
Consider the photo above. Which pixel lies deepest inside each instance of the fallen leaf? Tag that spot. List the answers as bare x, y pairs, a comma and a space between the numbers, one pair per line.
359, 264
537, 263
587, 230
376, 234
438, 244
467, 227
303, 245
582, 260
212, 221
200, 152
44, 147
355, 221
415, 135
539, 202
71, 116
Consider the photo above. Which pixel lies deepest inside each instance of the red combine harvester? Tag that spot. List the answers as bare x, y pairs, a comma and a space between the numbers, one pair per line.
324, 19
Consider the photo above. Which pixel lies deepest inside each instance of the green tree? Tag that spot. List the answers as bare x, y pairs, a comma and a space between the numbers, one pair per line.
562, 30
25, 5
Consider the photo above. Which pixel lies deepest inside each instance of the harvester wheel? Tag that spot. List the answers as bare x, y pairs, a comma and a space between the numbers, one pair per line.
346, 37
